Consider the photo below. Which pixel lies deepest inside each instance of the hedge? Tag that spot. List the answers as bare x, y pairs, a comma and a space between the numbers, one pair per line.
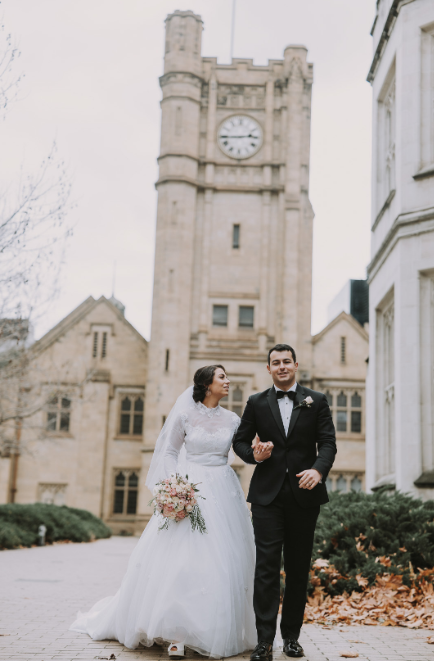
366, 535
19, 525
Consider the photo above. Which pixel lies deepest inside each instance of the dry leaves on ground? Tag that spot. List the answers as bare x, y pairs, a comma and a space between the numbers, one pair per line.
349, 655
387, 602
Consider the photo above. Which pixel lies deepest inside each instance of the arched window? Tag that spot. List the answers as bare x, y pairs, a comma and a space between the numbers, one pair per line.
341, 484
126, 485
356, 484
329, 398
131, 415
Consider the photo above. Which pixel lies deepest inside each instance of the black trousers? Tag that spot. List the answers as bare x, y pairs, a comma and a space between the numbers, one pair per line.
282, 523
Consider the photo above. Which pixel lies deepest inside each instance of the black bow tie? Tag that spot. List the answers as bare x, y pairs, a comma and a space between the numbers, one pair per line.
289, 393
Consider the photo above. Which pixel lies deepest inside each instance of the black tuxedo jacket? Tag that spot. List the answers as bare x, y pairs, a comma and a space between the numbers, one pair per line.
310, 443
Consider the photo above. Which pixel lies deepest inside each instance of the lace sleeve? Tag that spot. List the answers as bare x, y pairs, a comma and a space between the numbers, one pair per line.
174, 446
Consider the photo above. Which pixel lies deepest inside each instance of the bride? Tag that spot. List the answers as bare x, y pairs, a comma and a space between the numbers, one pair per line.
181, 586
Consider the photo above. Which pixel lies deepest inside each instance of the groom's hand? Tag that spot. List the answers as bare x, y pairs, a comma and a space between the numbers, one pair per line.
262, 451
309, 479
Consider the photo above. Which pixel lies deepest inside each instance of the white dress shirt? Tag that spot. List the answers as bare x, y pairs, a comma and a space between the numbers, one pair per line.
286, 405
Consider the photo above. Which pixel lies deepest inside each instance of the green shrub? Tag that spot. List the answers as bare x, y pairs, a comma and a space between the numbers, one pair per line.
370, 534
19, 525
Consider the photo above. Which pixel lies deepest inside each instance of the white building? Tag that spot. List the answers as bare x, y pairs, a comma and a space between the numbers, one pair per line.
400, 405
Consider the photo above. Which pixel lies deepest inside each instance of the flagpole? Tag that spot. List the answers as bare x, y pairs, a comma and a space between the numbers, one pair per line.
233, 28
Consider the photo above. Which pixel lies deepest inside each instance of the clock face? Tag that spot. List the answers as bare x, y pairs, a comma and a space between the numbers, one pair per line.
239, 136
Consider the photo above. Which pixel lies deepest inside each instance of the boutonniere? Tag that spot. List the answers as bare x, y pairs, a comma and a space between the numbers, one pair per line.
305, 404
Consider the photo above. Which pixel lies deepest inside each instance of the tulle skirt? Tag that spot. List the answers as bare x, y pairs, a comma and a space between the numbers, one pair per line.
185, 586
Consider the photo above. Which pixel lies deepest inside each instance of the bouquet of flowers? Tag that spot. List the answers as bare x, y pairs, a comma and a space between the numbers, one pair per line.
175, 499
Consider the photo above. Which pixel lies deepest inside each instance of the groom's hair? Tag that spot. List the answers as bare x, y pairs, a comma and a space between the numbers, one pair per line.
282, 347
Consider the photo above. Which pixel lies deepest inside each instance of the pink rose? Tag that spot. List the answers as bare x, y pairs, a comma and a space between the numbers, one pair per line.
180, 515
173, 492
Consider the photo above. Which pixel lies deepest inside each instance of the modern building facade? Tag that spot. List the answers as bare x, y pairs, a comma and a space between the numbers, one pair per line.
400, 386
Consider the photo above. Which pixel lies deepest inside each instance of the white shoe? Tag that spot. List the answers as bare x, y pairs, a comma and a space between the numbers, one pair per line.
176, 650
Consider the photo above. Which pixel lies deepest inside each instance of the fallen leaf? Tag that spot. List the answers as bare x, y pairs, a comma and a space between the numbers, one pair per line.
430, 641
349, 655
350, 640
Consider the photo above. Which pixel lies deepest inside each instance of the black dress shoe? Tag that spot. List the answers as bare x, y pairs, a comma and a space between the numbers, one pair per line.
262, 652
292, 647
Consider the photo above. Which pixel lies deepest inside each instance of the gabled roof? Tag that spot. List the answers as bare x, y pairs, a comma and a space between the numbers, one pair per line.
74, 317
348, 318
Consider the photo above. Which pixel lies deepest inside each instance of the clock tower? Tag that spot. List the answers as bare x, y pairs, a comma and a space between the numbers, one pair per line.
233, 259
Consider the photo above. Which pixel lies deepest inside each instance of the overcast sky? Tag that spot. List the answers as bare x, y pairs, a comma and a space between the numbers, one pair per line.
91, 81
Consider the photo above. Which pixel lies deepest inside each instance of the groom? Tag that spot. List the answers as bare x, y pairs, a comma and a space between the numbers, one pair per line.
296, 451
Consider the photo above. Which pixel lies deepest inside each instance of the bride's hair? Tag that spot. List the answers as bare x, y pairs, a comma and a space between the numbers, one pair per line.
203, 377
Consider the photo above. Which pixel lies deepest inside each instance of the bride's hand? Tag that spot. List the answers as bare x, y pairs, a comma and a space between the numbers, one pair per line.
261, 451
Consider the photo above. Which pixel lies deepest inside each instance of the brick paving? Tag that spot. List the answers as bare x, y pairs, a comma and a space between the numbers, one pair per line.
41, 590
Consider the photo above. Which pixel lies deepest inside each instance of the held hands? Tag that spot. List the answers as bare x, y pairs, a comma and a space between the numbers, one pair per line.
261, 451
309, 479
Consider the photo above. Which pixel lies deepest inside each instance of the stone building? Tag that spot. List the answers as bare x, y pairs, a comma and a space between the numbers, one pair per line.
233, 262
339, 355
400, 430
86, 380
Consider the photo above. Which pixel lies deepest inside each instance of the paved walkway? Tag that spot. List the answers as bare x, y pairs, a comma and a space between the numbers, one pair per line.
41, 589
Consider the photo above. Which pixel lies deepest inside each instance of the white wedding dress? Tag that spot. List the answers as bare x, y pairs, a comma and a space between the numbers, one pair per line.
182, 585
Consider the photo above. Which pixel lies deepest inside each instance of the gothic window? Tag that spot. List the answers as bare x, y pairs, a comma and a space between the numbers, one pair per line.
58, 413
356, 415
345, 482
219, 315
341, 484
126, 484
246, 315
329, 398
104, 345
235, 400
236, 237
356, 484
131, 417
341, 421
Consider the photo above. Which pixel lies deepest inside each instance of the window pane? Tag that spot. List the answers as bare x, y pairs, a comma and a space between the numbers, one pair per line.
356, 401
132, 502
246, 316
51, 421
236, 237
356, 484
220, 315
238, 410
126, 404
118, 505
66, 403
356, 421
329, 397
138, 404
138, 424
120, 480
125, 423
341, 484
237, 395
341, 421
133, 480
64, 422
342, 399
